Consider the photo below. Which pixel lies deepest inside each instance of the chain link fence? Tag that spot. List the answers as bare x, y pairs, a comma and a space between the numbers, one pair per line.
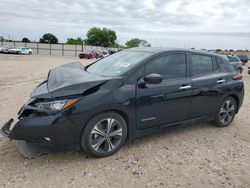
60, 49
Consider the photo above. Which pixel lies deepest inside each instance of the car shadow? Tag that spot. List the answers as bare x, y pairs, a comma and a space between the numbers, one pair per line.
68, 157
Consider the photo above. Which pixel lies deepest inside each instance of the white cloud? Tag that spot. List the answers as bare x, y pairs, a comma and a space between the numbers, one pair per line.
178, 23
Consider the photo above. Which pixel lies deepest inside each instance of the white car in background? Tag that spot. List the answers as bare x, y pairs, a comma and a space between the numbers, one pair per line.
13, 50
25, 51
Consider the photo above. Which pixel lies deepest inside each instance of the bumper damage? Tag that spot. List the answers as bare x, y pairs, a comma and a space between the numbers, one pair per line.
43, 134
5, 130
27, 149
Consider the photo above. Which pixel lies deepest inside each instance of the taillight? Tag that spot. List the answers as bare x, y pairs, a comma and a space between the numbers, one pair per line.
238, 77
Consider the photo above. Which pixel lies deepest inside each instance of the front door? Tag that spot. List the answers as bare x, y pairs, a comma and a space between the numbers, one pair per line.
168, 102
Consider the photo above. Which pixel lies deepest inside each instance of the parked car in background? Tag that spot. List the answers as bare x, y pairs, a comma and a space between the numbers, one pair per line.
104, 54
5, 49
248, 56
243, 58
26, 51
14, 50
125, 96
236, 63
1, 49
89, 54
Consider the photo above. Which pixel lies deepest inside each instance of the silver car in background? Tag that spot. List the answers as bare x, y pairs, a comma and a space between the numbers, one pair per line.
236, 63
14, 50
4, 49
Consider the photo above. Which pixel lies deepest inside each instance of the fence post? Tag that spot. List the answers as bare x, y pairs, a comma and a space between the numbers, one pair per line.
75, 50
49, 48
62, 49
37, 48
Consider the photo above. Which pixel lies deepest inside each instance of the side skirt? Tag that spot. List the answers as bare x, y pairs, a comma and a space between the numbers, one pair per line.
134, 134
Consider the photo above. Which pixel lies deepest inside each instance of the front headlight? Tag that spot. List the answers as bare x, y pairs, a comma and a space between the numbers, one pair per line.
56, 105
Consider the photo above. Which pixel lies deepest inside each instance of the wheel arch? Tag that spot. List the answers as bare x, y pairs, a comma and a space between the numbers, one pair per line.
236, 99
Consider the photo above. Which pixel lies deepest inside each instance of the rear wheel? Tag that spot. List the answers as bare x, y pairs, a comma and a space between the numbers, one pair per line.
104, 134
226, 112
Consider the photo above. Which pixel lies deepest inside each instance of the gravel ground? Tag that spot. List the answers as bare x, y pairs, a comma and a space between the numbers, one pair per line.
195, 156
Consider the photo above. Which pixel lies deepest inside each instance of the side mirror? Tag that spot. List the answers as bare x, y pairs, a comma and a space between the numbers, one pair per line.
153, 78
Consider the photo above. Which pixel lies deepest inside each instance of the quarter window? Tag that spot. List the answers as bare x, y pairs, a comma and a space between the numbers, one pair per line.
201, 64
169, 66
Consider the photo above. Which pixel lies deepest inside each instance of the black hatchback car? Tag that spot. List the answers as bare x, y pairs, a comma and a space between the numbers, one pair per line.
126, 95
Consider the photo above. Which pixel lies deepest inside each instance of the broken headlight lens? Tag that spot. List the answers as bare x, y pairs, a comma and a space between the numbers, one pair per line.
56, 105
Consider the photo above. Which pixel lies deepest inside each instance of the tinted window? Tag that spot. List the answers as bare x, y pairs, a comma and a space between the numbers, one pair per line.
234, 59
201, 64
169, 66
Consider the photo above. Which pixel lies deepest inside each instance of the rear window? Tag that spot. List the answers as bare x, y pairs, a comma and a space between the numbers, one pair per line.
225, 65
201, 64
234, 59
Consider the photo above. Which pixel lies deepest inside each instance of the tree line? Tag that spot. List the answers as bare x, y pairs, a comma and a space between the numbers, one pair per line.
95, 36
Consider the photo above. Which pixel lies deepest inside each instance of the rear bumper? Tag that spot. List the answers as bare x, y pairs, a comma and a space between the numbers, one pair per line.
53, 131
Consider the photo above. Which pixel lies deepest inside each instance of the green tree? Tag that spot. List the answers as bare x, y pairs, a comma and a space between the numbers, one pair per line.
135, 42
101, 37
77, 40
1, 38
25, 39
49, 38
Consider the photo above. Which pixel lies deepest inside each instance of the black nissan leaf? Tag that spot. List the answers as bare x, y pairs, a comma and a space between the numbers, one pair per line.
127, 95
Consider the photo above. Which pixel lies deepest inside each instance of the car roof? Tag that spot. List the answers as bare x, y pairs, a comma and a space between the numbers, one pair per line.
162, 49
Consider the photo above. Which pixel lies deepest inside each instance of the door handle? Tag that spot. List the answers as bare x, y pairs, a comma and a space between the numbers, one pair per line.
185, 87
221, 81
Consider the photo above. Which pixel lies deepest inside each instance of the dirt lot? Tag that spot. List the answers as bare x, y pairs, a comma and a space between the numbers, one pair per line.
195, 156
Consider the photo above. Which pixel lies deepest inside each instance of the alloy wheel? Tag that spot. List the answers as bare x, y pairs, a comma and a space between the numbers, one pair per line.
106, 135
227, 112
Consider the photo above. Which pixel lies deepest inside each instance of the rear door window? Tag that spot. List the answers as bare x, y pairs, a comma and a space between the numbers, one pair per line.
201, 64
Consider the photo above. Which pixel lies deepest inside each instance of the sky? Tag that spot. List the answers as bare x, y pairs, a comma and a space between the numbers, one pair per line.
208, 24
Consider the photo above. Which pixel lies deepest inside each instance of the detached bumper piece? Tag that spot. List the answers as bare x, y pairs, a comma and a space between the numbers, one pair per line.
5, 130
31, 150
43, 134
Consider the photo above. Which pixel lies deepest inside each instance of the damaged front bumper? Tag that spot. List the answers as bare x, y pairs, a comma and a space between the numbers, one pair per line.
54, 132
5, 130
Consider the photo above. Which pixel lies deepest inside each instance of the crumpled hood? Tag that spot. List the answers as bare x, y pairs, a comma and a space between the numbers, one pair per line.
68, 79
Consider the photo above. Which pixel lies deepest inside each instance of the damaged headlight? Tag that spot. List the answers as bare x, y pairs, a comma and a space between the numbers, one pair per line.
56, 105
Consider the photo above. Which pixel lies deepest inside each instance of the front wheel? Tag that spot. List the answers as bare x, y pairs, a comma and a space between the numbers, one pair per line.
104, 134
226, 112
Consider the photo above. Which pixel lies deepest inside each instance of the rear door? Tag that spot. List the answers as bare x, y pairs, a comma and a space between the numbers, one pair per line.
208, 81
169, 101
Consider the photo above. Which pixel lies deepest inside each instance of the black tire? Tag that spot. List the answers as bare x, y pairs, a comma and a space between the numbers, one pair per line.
226, 112
30, 53
97, 141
